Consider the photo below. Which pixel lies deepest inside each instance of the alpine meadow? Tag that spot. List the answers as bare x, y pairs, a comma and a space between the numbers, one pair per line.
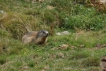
76, 31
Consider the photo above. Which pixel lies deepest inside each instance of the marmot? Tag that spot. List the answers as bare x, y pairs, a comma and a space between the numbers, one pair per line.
103, 63
36, 37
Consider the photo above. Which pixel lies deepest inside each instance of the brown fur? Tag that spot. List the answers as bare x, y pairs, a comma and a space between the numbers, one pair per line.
33, 37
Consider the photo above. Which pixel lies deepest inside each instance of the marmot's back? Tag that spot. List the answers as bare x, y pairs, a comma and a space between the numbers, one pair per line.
37, 37
29, 37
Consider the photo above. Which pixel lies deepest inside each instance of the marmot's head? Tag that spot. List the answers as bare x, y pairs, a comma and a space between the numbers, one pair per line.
42, 33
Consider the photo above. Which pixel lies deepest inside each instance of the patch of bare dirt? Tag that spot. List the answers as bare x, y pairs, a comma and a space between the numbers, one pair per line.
64, 47
50, 7
45, 68
24, 67
34, 1
99, 46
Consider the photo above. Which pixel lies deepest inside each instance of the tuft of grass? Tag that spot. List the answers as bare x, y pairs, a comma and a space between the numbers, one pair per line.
90, 62
79, 55
31, 64
2, 60
23, 16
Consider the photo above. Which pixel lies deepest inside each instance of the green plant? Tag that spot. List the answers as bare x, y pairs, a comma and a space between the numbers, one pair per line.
2, 60
90, 61
84, 19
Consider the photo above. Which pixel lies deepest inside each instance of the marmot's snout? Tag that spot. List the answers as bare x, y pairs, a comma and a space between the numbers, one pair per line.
46, 32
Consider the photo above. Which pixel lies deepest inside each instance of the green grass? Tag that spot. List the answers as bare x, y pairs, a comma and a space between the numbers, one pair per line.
85, 49
23, 16
48, 57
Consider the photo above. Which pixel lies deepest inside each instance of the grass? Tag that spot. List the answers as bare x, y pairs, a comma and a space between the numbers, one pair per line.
34, 16
48, 57
86, 43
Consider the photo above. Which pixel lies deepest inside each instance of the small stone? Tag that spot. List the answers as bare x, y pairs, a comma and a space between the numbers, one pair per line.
65, 33
58, 33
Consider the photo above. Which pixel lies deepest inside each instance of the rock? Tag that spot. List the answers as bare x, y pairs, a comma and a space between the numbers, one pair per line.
63, 33
103, 1
58, 33
3, 12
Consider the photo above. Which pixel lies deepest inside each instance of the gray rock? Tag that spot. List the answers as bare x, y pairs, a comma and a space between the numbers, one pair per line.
63, 33
1, 11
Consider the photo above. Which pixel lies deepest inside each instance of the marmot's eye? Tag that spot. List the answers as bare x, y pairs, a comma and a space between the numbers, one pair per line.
43, 31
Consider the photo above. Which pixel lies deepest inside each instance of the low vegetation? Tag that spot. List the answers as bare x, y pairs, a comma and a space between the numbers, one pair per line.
81, 50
